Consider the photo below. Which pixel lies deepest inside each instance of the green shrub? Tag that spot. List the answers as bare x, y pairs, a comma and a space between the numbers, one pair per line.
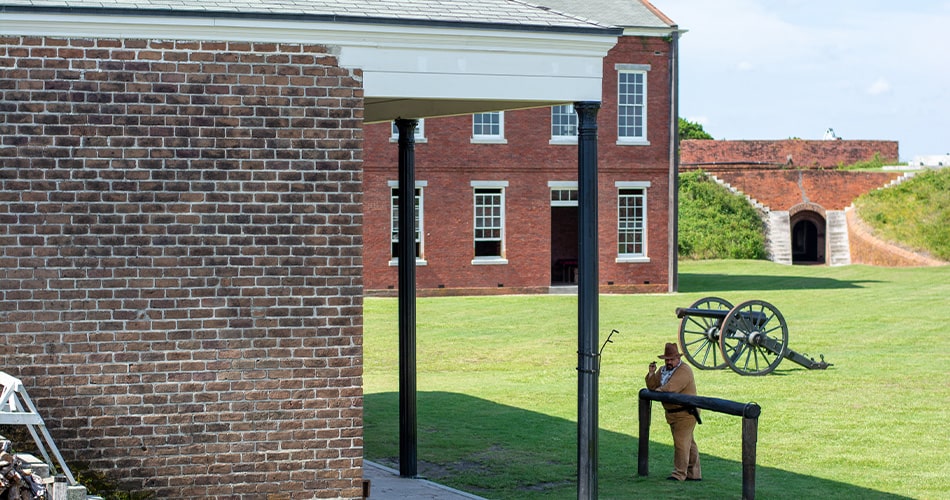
691, 130
715, 223
874, 163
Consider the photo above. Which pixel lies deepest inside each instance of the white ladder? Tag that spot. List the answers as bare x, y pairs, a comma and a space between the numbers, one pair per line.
16, 408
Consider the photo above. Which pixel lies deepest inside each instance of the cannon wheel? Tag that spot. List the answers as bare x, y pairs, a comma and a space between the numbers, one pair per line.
699, 336
754, 338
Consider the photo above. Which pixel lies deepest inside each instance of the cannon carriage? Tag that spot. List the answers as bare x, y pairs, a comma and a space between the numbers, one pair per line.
750, 338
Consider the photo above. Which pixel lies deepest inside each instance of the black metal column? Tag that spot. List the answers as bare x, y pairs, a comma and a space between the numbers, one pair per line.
673, 253
588, 283
406, 248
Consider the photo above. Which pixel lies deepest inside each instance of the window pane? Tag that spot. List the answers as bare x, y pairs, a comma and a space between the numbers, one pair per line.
419, 133
489, 222
486, 124
631, 222
394, 223
563, 121
564, 197
631, 99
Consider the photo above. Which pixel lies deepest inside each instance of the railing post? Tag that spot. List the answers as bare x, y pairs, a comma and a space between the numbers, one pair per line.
750, 431
643, 451
750, 424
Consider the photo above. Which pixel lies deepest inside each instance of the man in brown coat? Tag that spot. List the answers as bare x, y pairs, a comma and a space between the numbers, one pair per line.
676, 376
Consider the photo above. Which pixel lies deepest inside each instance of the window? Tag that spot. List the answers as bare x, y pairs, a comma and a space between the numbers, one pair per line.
631, 221
488, 127
394, 223
563, 124
489, 223
564, 196
631, 104
419, 136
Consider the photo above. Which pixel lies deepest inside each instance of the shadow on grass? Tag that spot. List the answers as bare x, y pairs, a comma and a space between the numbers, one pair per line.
503, 452
719, 283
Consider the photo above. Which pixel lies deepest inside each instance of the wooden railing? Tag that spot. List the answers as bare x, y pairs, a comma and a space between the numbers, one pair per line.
750, 424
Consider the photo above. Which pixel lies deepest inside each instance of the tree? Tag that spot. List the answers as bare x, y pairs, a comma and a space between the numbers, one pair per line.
690, 130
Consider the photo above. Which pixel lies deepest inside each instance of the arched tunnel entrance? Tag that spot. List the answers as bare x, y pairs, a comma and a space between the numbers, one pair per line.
808, 238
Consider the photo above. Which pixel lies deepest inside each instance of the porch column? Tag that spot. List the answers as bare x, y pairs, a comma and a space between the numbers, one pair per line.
406, 252
674, 179
588, 365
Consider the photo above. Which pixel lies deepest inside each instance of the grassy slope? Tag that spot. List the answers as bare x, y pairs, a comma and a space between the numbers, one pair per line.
715, 223
498, 386
915, 213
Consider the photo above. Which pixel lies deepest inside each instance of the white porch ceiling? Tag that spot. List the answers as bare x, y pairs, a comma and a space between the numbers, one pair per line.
409, 71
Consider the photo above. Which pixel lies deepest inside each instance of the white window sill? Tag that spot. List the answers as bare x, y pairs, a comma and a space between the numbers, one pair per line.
419, 140
632, 142
489, 261
563, 141
489, 140
419, 262
632, 259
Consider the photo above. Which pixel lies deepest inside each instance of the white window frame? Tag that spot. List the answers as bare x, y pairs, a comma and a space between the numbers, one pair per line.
632, 140
482, 138
419, 135
558, 114
502, 187
624, 223
564, 193
420, 222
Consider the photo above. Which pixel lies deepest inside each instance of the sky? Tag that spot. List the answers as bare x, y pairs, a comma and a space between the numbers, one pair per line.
778, 69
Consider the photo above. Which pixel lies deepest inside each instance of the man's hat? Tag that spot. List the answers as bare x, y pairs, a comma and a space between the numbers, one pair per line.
670, 352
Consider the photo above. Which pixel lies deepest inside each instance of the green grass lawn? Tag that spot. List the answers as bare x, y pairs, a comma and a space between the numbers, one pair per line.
497, 388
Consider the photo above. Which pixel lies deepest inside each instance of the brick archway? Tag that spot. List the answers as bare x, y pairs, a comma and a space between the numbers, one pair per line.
809, 228
807, 207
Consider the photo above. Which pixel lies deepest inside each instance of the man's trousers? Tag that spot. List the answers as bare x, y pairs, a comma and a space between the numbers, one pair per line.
685, 452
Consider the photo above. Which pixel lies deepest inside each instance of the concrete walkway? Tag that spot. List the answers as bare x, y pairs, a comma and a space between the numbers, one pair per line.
385, 484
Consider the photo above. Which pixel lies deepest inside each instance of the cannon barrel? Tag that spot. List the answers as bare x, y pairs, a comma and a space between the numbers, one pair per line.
682, 312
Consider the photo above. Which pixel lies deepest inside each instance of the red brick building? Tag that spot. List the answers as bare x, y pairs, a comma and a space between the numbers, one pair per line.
181, 216
497, 193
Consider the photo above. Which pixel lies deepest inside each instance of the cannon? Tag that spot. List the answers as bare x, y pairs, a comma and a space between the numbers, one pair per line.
751, 338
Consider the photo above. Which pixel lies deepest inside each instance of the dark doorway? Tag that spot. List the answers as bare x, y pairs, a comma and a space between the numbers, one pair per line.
807, 242
563, 245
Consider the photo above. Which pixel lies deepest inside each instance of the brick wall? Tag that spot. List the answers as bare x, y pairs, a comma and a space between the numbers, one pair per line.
180, 260
784, 189
448, 162
799, 153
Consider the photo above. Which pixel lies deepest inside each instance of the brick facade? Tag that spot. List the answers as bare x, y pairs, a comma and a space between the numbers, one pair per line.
180, 259
711, 155
786, 189
447, 161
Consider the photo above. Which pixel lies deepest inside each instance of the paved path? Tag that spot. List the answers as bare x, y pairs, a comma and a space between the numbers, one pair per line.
385, 484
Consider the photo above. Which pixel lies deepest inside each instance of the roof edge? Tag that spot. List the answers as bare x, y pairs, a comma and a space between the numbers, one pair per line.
331, 18
658, 13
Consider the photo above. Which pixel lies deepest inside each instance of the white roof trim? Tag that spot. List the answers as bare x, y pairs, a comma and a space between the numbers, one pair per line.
408, 71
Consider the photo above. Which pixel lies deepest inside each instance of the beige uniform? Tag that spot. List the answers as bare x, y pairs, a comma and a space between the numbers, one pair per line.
682, 423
